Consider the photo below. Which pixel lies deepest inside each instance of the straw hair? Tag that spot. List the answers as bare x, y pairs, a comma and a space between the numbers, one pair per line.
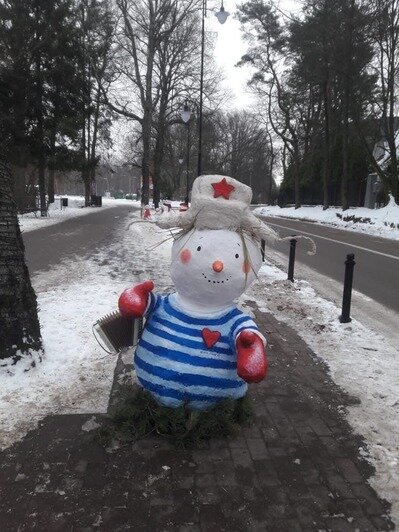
230, 211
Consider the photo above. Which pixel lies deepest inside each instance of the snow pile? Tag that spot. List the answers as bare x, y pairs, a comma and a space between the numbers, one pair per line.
31, 220
361, 361
382, 222
75, 375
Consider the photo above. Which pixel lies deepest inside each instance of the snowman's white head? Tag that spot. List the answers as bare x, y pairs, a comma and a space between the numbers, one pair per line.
213, 267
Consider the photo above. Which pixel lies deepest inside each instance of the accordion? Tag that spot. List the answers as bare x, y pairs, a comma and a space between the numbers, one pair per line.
114, 332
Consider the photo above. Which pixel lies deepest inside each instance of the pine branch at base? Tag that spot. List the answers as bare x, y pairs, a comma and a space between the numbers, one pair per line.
133, 415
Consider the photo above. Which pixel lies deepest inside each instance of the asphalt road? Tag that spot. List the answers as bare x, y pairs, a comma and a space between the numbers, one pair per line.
377, 259
80, 236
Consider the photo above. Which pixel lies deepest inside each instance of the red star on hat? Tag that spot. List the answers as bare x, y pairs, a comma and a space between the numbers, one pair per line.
222, 189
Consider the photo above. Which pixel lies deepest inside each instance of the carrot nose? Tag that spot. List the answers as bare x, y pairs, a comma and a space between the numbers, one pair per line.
218, 266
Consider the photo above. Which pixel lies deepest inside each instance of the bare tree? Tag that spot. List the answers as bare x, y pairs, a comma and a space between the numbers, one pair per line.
177, 74
144, 27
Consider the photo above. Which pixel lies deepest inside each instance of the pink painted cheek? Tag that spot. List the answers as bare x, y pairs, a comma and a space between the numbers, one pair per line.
185, 256
246, 266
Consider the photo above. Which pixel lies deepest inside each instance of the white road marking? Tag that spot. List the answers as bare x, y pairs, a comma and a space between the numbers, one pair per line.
299, 231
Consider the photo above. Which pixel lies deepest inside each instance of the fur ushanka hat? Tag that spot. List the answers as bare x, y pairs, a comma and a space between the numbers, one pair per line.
219, 202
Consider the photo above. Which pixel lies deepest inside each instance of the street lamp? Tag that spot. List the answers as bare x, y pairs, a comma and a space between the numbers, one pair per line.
185, 114
221, 15
181, 161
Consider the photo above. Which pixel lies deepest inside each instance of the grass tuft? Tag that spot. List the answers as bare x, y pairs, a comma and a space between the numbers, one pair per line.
141, 416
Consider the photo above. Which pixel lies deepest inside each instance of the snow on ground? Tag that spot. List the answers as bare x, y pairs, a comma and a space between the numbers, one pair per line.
76, 375
31, 221
382, 222
361, 362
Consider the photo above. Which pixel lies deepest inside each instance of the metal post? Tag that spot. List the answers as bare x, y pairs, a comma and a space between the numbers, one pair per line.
262, 249
199, 169
291, 263
188, 164
347, 296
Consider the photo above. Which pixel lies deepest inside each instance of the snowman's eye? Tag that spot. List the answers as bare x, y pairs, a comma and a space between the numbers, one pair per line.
199, 248
237, 256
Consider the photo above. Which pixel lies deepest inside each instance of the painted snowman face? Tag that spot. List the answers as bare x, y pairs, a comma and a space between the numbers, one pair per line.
210, 267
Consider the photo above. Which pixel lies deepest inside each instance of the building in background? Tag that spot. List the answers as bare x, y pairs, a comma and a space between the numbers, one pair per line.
111, 180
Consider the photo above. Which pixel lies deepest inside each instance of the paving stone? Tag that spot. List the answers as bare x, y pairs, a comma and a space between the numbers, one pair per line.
239, 442
208, 495
349, 470
205, 480
296, 467
382, 522
205, 466
246, 476
241, 457
220, 454
365, 495
211, 517
339, 486
270, 434
339, 524
224, 474
191, 527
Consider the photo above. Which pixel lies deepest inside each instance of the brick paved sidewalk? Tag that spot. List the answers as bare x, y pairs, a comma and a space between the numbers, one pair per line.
296, 468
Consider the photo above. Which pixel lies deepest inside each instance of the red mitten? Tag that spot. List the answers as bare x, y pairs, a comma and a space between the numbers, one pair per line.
251, 357
133, 301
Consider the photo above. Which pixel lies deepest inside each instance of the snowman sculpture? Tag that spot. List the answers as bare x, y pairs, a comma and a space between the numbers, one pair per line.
197, 347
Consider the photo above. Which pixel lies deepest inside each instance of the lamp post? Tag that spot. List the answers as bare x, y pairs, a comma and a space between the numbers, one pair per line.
185, 114
181, 161
221, 15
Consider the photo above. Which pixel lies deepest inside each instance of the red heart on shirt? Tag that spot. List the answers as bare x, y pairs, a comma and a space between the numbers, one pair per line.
210, 337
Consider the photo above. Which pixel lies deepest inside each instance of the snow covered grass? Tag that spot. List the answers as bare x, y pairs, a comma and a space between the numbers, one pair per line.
30, 221
382, 222
76, 375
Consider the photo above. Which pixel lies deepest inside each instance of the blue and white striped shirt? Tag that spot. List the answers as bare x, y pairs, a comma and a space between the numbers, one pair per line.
173, 362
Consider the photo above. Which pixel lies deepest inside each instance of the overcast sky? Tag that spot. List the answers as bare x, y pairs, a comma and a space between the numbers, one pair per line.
230, 47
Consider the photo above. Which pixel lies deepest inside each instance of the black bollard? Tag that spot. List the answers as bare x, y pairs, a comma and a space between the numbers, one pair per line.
291, 263
262, 249
346, 299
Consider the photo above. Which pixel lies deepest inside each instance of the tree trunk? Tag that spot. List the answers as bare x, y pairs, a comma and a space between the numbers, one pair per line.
19, 323
52, 157
391, 137
50, 185
87, 185
346, 100
158, 160
41, 163
51, 168
297, 188
145, 164
270, 179
327, 148
345, 163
